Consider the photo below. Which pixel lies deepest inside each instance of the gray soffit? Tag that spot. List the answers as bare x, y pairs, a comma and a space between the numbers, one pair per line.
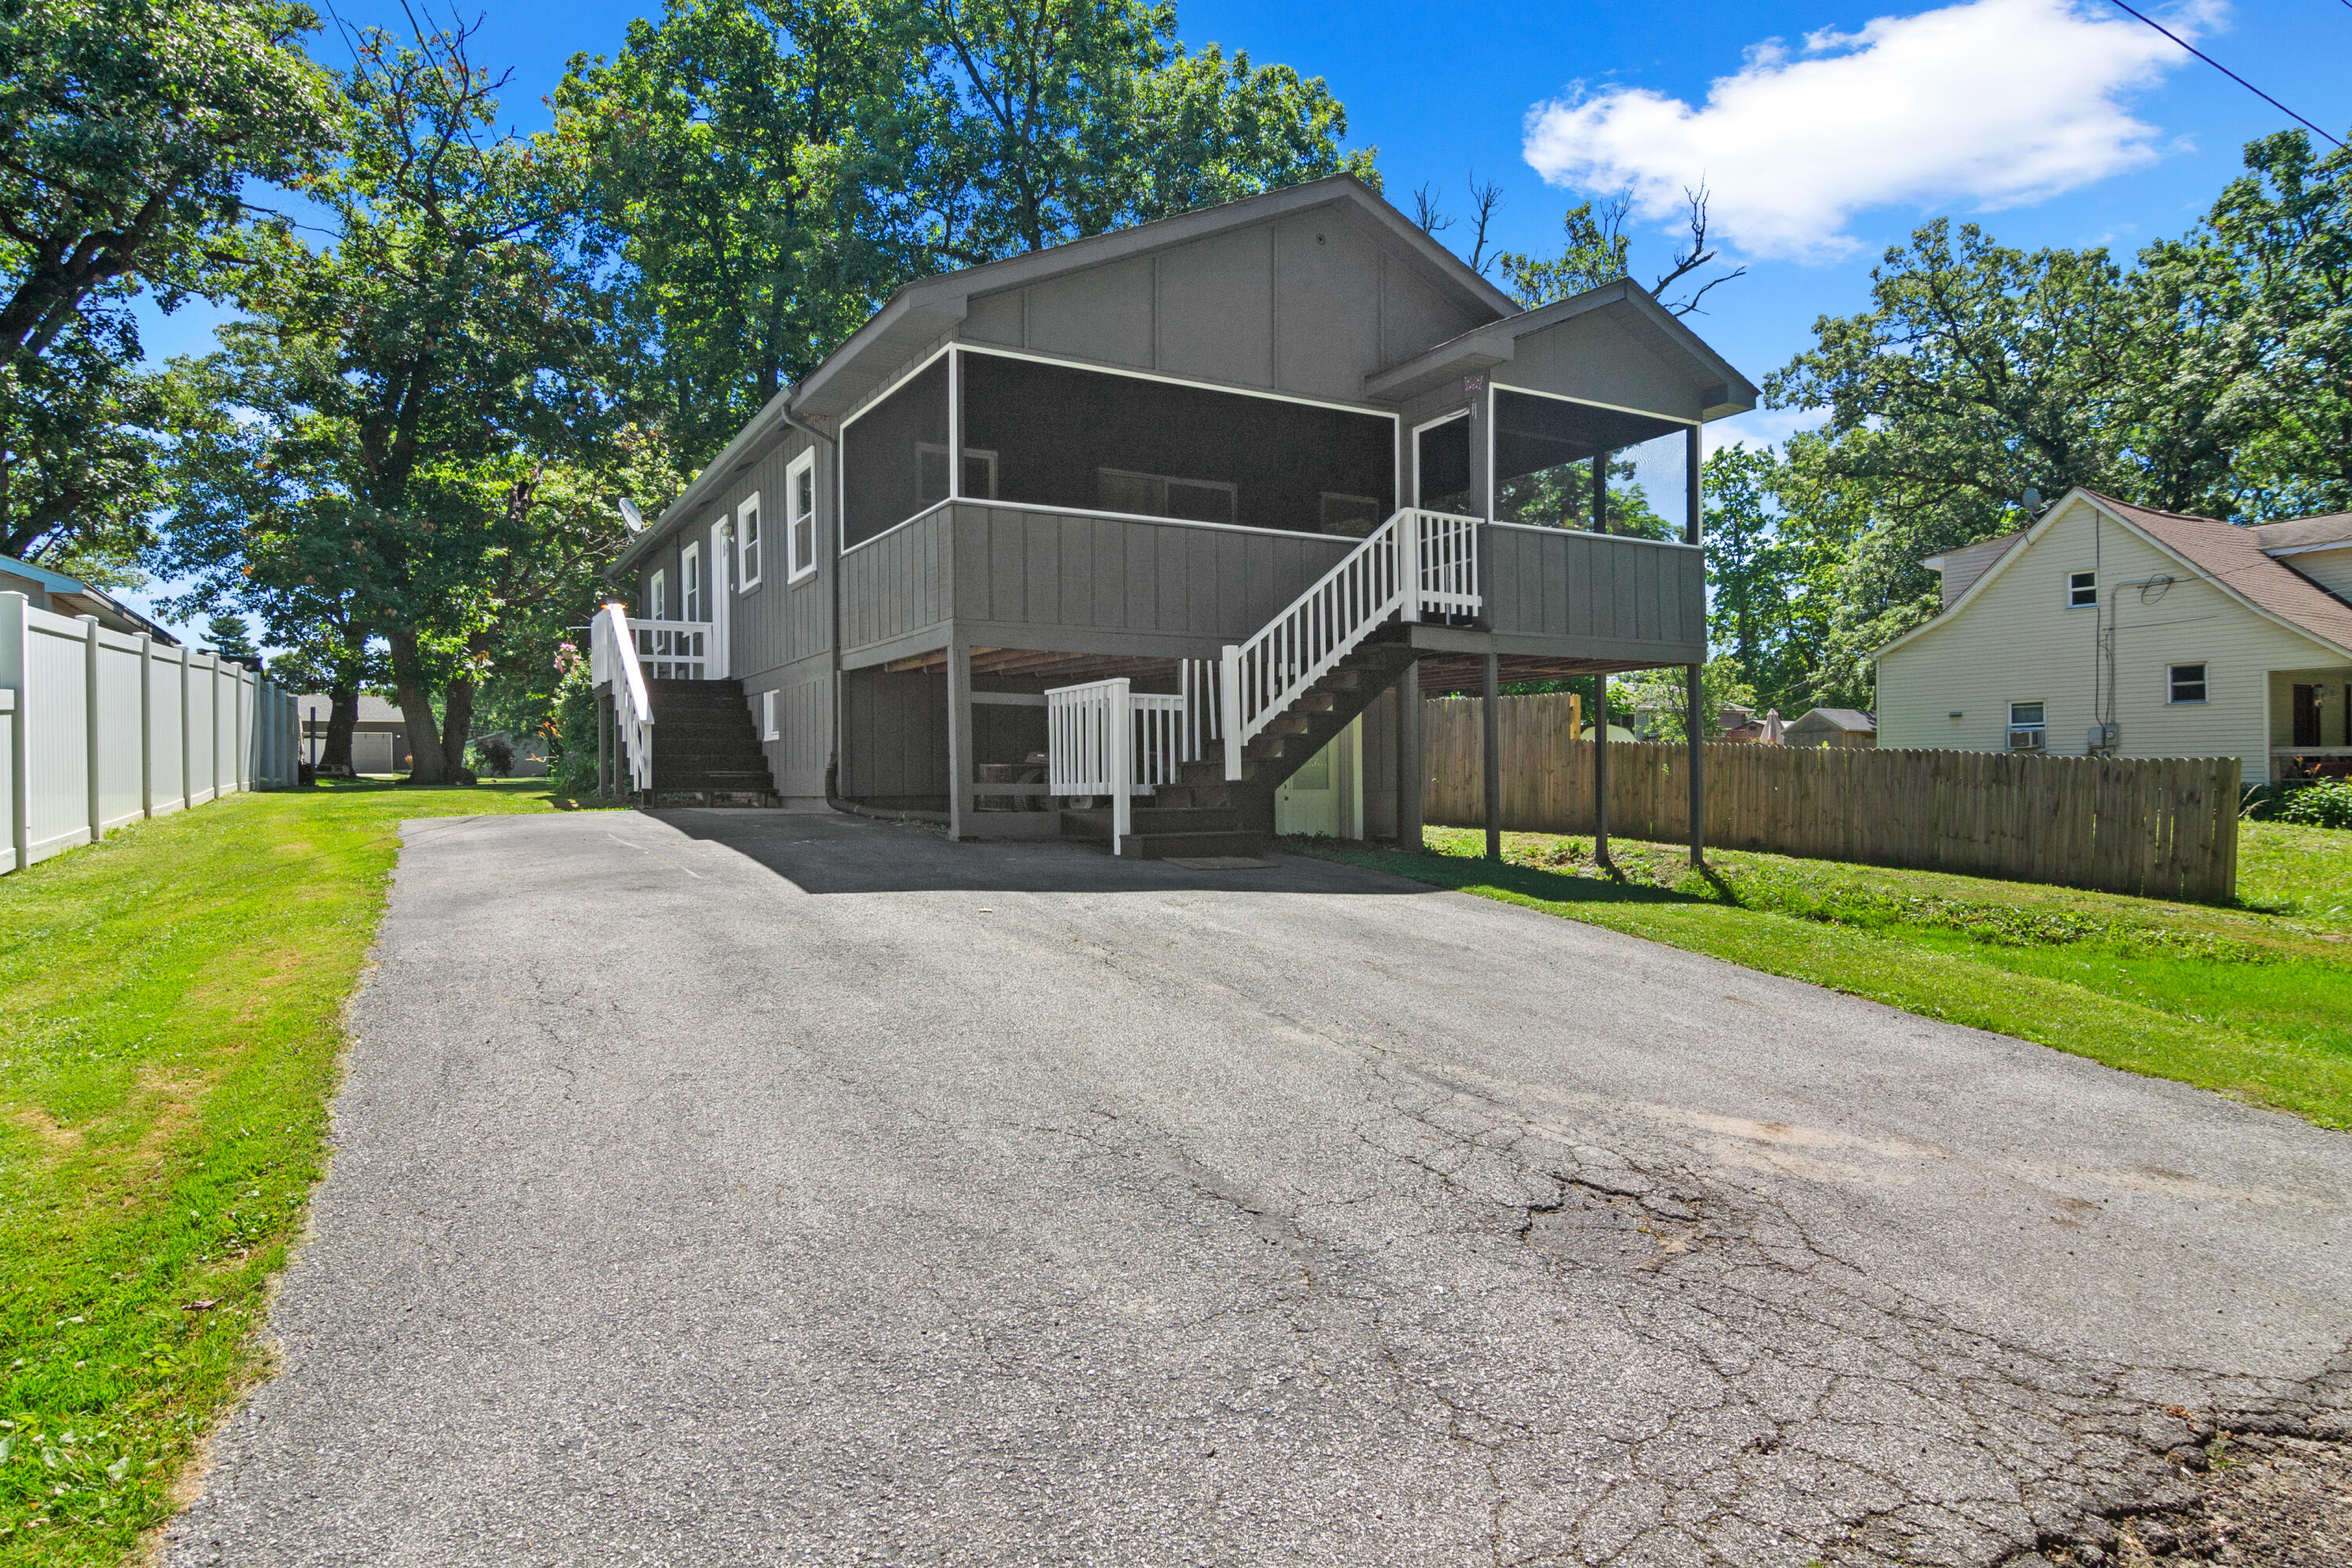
1723, 390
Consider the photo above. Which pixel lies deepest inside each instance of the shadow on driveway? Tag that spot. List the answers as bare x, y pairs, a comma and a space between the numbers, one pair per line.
831, 853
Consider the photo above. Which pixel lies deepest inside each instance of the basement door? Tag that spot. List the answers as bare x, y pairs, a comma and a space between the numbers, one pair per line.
1326, 797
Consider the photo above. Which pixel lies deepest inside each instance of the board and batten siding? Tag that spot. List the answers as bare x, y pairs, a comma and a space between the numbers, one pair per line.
2018, 642
779, 636
1619, 598
1016, 576
1280, 306
100, 729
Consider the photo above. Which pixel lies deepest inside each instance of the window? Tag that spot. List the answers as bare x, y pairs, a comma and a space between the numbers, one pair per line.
2083, 591
2187, 683
2027, 726
1354, 516
689, 583
658, 597
747, 542
768, 714
799, 488
979, 473
1160, 495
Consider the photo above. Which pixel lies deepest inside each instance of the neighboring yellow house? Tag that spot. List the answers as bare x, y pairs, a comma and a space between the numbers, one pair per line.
2118, 630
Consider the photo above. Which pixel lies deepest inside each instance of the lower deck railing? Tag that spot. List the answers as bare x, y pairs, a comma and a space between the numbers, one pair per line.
614, 669
1105, 739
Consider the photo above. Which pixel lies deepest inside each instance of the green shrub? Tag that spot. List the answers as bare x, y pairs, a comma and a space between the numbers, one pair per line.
2319, 806
572, 744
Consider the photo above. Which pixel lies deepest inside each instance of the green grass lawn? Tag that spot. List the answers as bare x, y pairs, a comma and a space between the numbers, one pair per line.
2253, 1000
170, 1006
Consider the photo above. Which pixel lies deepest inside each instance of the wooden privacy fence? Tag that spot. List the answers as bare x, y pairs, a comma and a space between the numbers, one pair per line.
2161, 826
98, 729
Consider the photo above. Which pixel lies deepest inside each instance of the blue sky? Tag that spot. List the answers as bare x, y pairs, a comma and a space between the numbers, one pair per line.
1826, 129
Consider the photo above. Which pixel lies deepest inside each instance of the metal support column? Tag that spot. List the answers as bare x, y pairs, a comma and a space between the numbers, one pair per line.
1492, 713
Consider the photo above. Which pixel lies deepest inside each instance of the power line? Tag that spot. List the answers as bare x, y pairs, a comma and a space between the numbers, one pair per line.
2226, 71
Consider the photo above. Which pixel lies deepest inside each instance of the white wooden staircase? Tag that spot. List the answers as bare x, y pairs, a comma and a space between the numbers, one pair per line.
1207, 782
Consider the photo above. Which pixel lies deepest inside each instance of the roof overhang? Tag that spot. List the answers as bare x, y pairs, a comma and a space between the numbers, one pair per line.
1722, 390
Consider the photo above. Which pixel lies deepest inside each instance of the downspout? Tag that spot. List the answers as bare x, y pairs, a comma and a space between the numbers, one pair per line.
833, 631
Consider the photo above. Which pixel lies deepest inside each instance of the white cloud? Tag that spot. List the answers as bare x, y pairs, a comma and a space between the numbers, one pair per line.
1765, 429
1992, 103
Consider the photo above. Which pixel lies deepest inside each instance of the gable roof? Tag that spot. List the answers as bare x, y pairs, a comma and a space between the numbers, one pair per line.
1849, 719
923, 311
1627, 302
2233, 557
2226, 555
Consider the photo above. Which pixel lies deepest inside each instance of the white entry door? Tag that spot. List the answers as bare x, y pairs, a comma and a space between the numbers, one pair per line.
722, 600
1324, 798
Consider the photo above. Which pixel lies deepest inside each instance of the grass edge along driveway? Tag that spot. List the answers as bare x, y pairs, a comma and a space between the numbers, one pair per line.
171, 1032
2252, 1001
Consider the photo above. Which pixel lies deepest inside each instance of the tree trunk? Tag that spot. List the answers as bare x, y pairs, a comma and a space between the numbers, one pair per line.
457, 729
429, 764
342, 718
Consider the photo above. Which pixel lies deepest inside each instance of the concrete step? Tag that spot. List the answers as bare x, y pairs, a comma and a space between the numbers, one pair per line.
1094, 824
1181, 846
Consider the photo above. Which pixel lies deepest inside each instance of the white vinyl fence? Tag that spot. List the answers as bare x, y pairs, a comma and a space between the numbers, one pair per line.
98, 729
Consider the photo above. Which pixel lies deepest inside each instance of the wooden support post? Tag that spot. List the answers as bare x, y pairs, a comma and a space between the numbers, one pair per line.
1600, 691
1412, 764
1701, 721
605, 745
961, 769
1600, 773
1493, 716
1698, 728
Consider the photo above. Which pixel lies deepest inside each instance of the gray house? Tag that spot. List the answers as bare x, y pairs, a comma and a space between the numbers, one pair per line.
1280, 467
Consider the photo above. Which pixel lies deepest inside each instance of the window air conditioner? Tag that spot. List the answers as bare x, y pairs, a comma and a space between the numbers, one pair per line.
2025, 739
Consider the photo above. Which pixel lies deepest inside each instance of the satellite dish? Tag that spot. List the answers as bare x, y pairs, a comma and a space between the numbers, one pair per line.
629, 515
2032, 502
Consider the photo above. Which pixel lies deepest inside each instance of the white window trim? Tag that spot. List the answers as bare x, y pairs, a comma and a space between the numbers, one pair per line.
2093, 603
689, 582
752, 545
768, 714
2207, 682
657, 592
795, 569
2040, 723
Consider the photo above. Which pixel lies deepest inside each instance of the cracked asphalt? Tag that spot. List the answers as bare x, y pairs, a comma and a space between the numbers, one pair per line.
749, 1187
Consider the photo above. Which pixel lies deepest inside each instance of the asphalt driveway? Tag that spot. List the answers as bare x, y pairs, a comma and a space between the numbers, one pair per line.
761, 1188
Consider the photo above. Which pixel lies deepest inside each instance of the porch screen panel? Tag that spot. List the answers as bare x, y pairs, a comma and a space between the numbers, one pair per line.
1064, 437
893, 456
1543, 466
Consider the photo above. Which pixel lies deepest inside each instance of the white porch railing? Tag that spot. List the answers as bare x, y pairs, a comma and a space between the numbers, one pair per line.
673, 650
1416, 563
1105, 739
613, 666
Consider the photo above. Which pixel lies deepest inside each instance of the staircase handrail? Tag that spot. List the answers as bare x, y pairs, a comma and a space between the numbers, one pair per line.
1415, 562
612, 664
